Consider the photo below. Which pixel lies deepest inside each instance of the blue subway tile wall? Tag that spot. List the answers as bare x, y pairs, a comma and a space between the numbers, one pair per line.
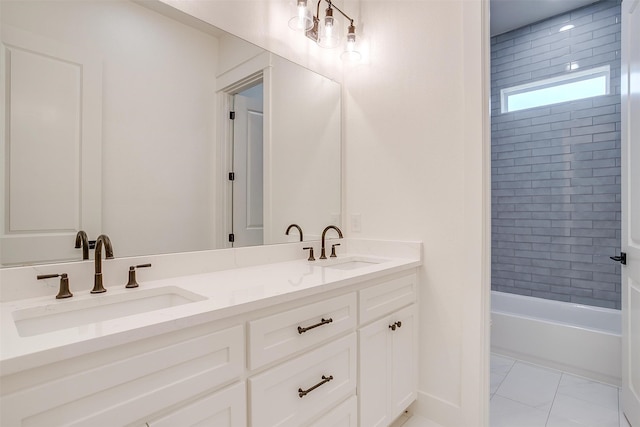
556, 168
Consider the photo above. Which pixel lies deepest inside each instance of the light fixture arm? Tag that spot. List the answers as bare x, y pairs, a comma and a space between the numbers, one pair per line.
333, 6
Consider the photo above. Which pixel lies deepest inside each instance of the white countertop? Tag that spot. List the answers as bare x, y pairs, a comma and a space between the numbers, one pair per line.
224, 293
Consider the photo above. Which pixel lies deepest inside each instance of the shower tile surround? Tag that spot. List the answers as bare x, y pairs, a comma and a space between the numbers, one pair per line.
556, 169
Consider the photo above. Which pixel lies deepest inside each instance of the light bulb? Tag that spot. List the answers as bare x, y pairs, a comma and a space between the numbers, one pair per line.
328, 26
302, 20
329, 36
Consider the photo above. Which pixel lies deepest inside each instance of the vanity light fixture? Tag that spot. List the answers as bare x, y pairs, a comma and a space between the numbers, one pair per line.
325, 31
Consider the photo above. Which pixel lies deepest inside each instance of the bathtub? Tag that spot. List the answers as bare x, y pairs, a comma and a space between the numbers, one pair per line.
578, 339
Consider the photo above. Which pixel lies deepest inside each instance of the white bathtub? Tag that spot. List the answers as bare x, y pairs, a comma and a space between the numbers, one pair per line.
574, 338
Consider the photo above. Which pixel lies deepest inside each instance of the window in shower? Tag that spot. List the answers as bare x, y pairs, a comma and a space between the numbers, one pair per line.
570, 87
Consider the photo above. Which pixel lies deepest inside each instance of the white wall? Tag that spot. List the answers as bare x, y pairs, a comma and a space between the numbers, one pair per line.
414, 153
158, 103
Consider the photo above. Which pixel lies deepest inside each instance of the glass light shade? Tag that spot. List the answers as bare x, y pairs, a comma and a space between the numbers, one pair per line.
329, 32
350, 53
302, 20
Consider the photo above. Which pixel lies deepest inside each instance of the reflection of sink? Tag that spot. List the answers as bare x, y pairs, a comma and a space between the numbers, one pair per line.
98, 308
352, 263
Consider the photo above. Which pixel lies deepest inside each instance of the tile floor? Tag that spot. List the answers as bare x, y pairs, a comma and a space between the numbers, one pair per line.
526, 395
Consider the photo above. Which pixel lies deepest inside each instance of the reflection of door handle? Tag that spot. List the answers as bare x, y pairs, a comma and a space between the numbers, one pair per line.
622, 259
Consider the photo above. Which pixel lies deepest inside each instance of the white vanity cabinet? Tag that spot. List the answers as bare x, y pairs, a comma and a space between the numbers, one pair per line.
388, 364
325, 359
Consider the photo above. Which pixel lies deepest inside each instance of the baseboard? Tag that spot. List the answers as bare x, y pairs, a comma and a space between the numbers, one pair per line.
437, 410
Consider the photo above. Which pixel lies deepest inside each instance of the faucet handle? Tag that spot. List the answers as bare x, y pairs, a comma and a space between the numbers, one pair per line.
311, 257
132, 275
63, 291
333, 250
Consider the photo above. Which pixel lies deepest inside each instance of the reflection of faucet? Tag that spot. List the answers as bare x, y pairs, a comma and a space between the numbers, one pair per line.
295, 226
301, 278
322, 253
97, 279
83, 241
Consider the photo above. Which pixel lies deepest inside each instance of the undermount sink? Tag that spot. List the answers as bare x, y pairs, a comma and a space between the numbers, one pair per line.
352, 263
97, 308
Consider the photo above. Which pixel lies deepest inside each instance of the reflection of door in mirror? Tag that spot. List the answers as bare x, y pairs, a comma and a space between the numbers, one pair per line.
247, 206
52, 182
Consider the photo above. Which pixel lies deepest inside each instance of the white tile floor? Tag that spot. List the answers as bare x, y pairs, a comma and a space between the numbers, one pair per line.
526, 395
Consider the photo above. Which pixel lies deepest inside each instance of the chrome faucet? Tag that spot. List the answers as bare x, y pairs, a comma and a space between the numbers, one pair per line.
295, 226
324, 232
102, 239
82, 242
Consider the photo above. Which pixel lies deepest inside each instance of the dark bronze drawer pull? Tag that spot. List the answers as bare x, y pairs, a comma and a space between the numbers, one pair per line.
302, 330
302, 393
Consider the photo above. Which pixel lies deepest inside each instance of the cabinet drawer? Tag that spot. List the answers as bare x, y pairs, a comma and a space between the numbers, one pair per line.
387, 297
225, 408
344, 415
276, 394
282, 334
127, 390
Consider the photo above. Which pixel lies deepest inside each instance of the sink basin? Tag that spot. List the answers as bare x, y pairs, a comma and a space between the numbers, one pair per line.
97, 308
352, 263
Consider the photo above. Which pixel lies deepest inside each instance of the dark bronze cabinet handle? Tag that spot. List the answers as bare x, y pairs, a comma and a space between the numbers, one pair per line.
302, 393
302, 330
393, 326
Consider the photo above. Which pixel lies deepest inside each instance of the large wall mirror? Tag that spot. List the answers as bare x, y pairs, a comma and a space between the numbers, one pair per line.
117, 121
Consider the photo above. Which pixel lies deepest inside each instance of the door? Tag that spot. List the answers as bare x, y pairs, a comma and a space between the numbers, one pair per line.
50, 153
631, 210
247, 222
375, 361
404, 372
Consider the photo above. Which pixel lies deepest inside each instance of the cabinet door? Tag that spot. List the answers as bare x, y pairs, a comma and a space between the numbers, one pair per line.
375, 362
404, 369
225, 408
388, 367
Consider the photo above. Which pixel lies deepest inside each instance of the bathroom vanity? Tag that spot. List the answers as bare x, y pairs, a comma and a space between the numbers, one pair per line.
288, 343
